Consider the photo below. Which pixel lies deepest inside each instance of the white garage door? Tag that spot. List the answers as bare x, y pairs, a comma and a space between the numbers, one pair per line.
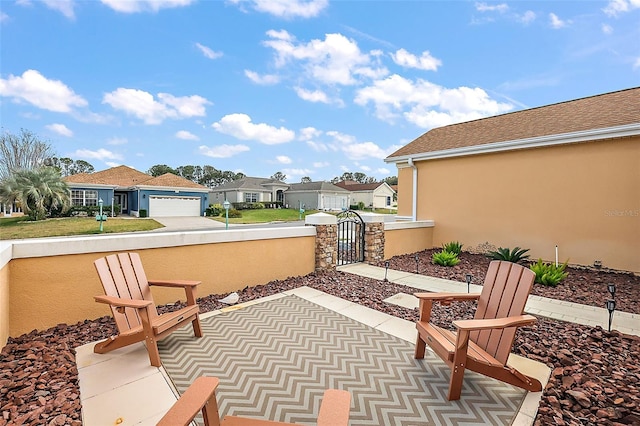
174, 206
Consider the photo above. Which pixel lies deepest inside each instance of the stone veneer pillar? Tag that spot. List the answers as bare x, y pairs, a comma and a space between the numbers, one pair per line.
373, 237
326, 240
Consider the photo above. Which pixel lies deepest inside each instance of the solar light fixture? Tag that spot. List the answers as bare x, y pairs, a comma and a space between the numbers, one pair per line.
597, 264
612, 289
417, 259
386, 269
611, 306
469, 277
226, 206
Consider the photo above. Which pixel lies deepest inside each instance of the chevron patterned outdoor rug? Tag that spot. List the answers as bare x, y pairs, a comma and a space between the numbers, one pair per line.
275, 359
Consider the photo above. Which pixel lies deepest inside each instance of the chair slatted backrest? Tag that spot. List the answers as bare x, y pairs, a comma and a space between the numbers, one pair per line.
123, 276
506, 289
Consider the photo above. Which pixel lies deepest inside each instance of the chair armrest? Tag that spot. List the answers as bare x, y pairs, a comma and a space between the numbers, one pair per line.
494, 323
174, 283
123, 303
334, 409
449, 297
200, 393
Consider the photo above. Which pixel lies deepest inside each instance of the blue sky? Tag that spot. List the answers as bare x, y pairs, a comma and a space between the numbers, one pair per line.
306, 87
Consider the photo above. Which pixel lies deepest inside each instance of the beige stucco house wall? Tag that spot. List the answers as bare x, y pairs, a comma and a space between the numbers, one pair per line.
578, 189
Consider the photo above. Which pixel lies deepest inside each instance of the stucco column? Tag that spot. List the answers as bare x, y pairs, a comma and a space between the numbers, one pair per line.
326, 240
373, 237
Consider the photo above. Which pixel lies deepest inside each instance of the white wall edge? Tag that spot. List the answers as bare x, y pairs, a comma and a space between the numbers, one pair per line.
57, 246
392, 226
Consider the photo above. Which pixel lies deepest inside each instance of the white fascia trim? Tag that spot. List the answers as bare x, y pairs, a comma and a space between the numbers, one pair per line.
171, 188
76, 185
537, 142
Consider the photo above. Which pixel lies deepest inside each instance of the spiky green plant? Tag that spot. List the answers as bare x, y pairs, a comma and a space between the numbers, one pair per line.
549, 274
445, 258
516, 255
452, 247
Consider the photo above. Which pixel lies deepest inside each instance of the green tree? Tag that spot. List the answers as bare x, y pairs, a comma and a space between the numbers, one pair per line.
305, 179
67, 167
391, 180
22, 151
37, 191
279, 176
160, 169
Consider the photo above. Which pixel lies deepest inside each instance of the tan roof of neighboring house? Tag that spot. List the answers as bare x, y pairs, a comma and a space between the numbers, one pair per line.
595, 112
124, 176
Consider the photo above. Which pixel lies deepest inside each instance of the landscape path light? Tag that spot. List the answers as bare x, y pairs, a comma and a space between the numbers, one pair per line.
469, 277
386, 269
101, 217
226, 206
611, 306
417, 259
612, 289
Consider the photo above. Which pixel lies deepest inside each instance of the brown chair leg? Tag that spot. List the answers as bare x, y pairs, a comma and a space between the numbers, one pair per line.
455, 383
197, 329
420, 348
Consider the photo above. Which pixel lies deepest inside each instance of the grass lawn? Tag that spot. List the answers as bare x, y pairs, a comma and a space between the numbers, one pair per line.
14, 228
266, 215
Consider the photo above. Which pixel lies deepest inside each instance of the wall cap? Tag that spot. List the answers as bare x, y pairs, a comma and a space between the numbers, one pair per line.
392, 226
320, 219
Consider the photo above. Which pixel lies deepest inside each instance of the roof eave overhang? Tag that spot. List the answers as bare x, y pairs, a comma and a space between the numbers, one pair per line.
74, 185
170, 188
537, 142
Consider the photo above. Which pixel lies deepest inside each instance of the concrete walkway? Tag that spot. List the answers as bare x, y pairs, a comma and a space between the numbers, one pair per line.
565, 311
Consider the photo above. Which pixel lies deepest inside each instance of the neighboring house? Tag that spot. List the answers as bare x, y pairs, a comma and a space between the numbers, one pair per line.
166, 195
378, 195
249, 190
317, 196
565, 175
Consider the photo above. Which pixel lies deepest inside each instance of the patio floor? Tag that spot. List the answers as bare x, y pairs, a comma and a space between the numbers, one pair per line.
122, 388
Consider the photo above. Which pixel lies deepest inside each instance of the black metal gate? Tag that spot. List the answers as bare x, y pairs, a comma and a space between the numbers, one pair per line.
350, 238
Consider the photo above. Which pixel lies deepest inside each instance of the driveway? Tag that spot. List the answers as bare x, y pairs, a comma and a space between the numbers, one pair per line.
186, 223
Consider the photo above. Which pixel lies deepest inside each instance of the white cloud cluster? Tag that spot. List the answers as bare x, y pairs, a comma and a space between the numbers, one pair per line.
283, 159
241, 127
287, 8
264, 80
557, 23
134, 6
34, 88
66, 7
426, 104
222, 151
208, 52
334, 60
187, 136
617, 7
60, 129
142, 105
312, 96
101, 154
409, 60
484, 7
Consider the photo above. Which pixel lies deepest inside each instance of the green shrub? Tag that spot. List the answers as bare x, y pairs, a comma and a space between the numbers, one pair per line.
142, 212
235, 213
445, 258
361, 205
516, 255
548, 273
452, 247
214, 210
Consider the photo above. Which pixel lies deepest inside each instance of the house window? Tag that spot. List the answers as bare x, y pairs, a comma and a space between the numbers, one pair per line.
388, 201
250, 197
81, 197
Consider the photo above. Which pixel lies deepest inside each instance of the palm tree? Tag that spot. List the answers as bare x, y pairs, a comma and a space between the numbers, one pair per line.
36, 190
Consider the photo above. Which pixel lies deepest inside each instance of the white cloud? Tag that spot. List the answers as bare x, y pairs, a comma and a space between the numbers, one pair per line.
66, 7
4, 17
318, 146
341, 137
426, 104
607, 29
527, 17
312, 96
297, 172
383, 171
308, 133
287, 8
484, 7
409, 60
334, 60
141, 104
222, 151
616, 7
183, 134
636, 64
60, 129
133, 6
101, 154
283, 159
265, 79
113, 163
33, 87
556, 22
321, 164
117, 141
359, 151
208, 52
241, 127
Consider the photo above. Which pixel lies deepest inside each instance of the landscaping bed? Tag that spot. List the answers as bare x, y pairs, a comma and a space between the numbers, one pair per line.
595, 379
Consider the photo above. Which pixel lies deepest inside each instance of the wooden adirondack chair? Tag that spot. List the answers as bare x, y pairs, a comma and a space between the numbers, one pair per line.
482, 344
129, 296
201, 396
